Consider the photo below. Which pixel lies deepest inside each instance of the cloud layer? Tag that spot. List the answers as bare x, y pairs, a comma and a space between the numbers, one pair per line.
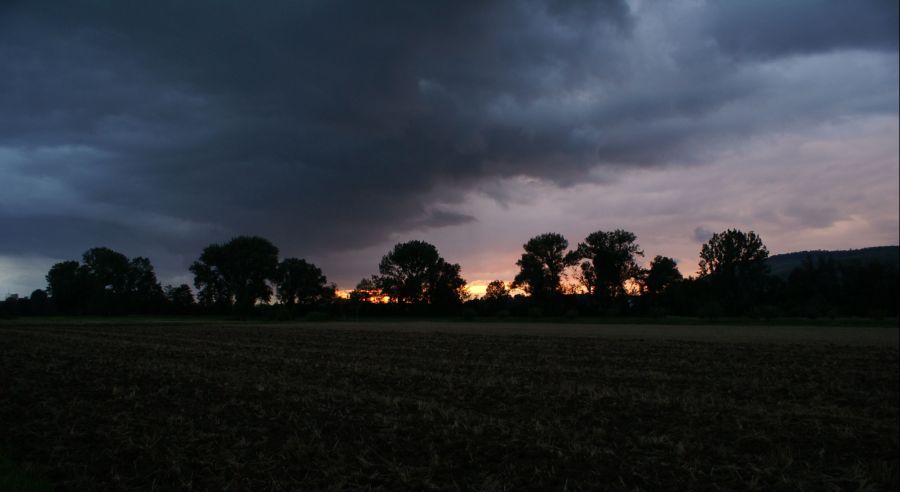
333, 127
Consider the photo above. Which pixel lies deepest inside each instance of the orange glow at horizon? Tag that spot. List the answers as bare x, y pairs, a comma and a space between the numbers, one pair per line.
632, 287
372, 297
478, 288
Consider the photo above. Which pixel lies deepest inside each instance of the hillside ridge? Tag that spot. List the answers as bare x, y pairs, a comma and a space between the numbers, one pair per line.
782, 264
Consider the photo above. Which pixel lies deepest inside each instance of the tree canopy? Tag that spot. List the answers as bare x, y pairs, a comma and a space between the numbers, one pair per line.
236, 273
68, 286
733, 252
661, 275
414, 273
180, 298
733, 262
144, 292
108, 269
734, 280
609, 260
107, 282
301, 283
496, 292
542, 264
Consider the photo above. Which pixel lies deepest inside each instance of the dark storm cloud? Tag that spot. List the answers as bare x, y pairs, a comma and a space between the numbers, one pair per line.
773, 28
327, 125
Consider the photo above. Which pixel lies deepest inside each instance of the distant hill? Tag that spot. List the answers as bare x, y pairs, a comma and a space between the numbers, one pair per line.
782, 265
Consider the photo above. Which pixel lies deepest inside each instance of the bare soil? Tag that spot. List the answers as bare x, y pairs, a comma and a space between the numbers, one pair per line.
448, 406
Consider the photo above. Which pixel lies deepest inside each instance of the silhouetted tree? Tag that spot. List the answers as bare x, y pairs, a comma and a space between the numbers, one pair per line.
733, 252
404, 271
301, 282
365, 290
12, 306
105, 283
414, 273
107, 272
663, 272
213, 292
236, 273
40, 303
446, 287
144, 292
181, 299
734, 262
609, 262
541, 266
68, 287
107, 268
496, 297
496, 292
659, 285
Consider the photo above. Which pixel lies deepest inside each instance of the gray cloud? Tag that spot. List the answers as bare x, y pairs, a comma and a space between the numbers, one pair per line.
163, 126
701, 234
772, 28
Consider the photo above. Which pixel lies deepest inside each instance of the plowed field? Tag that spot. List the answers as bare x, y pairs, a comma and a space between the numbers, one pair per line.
240, 407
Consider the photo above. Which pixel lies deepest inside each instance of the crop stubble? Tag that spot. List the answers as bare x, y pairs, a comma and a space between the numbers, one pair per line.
268, 407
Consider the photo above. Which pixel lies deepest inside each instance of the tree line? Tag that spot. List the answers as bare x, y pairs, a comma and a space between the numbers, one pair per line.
601, 275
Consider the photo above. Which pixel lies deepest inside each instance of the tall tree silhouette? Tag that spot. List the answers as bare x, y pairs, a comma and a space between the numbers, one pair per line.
301, 283
68, 287
213, 291
542, 264
662, 274
180, 299
609, 261
414, 273
734, 263
40, 303
236, 273
107, 271
446, 286
143, 291
496, 292
365, 290
107, 282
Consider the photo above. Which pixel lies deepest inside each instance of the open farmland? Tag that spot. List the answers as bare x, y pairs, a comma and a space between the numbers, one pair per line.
449, 406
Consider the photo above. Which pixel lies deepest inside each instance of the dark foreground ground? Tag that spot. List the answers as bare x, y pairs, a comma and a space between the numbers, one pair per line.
448, 406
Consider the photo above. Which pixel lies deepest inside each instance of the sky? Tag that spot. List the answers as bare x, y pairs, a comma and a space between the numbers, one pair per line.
337, 129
